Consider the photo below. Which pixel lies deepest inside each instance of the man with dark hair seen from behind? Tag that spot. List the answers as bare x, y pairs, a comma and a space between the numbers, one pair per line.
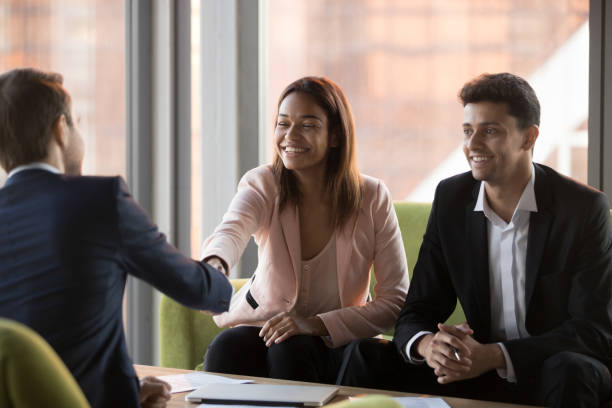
527, 252
67, 243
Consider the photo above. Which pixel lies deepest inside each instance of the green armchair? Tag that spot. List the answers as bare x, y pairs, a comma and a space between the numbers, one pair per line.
31, 373
186, 333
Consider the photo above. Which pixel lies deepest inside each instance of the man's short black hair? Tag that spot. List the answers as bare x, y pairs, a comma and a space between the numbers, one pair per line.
30, 103
515, 91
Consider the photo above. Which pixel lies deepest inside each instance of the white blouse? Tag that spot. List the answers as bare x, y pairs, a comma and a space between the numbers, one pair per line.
318, 288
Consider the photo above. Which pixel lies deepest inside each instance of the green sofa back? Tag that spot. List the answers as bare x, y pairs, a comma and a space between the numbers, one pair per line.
186, 333
412, 218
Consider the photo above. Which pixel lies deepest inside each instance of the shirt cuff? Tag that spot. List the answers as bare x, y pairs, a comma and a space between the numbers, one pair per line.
408, 350
508, 374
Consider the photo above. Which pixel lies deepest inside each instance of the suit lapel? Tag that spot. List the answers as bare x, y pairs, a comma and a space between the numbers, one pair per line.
477, 243
290, 223
478, 263
539, 228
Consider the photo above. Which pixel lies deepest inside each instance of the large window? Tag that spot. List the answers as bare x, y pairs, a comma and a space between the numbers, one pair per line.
84, 40
401, 64
196, 139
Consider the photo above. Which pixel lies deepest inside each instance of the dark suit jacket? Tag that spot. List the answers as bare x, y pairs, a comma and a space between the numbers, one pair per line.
66, 247
568, 283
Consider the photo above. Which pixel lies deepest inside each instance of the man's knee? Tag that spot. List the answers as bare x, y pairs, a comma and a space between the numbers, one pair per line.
368, 363
570, 366
570, 378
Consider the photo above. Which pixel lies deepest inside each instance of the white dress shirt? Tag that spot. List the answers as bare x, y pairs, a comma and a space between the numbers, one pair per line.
36, 165
507, 259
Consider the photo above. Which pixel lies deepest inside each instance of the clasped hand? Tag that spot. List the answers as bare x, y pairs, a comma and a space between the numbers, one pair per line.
285, 324
440, 351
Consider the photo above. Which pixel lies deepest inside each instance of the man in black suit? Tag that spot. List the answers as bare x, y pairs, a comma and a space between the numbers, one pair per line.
528, 253
67, 243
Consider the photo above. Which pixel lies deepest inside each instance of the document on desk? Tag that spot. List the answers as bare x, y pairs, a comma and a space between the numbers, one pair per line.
191, 381
416, 402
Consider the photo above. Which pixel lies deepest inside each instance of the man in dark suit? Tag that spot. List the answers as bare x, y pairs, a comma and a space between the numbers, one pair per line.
528, 253
67, 243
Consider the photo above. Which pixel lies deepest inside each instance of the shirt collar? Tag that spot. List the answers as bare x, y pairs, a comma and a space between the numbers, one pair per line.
527, 202
31, 166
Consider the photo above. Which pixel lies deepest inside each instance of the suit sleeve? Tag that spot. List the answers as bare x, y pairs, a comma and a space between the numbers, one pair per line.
588, 329
391, 271
148, 256
431, 298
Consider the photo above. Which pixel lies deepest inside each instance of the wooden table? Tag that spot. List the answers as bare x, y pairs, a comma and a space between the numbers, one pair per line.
178, 399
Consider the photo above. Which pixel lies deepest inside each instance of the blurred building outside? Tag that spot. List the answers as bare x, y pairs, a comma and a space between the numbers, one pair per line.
402, 63
84, 40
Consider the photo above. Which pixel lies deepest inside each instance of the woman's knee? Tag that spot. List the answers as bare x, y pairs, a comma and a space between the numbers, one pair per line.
294, 347
232, 349
371, 363
298, 358
234, 337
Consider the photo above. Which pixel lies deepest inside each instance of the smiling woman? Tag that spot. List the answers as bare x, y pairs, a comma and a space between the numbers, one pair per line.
315, 112
319, 226
301, 134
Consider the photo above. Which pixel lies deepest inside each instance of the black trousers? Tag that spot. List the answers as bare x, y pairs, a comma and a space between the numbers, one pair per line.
240, 350
566, 379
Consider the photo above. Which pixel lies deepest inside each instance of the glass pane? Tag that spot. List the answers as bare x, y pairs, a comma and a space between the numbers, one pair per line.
84, 40
402, 63
196, 157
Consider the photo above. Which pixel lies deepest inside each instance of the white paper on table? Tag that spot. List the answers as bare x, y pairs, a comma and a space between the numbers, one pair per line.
418, 402
191, 381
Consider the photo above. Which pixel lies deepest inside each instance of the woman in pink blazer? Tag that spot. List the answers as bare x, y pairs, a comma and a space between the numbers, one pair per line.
319, 226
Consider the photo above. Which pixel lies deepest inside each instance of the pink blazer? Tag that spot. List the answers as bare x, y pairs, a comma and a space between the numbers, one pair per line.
375, 239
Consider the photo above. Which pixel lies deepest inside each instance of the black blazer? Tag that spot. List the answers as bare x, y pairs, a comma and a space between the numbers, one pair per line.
66, 247
568, 282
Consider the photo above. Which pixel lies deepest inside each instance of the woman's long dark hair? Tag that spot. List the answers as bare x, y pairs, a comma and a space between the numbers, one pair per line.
343, 181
